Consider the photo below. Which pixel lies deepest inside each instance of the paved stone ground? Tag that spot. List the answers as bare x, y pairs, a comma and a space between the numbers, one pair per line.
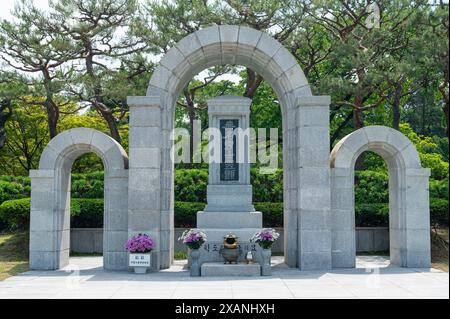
372, 278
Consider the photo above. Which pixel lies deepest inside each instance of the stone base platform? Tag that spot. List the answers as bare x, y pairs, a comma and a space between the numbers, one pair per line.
221, 269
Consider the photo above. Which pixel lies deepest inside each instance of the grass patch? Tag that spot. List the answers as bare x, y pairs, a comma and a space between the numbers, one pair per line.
76, 254
180, 255
373, 253
13, 254
439, 249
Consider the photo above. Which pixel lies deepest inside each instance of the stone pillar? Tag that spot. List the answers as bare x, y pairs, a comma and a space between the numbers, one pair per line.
417, 225
313, 181
229, 192
115, 228
144, 190
342, 218
48, 250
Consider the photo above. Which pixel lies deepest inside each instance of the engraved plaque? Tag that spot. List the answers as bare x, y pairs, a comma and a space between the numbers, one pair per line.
229, 169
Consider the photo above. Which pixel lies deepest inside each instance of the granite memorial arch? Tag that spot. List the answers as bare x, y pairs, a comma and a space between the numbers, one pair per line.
141, 198
50, 199
305, 131
409, 218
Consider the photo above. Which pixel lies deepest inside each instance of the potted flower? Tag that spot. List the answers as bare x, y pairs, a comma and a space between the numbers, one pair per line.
139, 247
194, 239
265, 238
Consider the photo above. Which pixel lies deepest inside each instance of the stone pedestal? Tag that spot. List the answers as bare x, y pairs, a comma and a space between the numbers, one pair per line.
220, 269
229, 206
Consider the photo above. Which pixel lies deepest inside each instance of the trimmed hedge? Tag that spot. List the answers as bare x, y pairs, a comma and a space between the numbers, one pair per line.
13, 190
88, 213
272, 213
15, 214
186, 213
439, 211
372, 215
85, 213
190, 186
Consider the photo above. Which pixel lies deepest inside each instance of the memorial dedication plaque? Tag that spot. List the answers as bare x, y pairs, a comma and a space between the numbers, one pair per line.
229, 169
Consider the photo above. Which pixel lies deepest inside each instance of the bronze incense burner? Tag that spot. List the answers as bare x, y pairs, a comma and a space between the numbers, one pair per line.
231, 249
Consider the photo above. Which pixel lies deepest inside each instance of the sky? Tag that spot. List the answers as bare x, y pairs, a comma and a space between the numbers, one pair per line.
6, 6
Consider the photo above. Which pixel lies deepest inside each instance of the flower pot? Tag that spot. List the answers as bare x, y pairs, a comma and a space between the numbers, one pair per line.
194, 255
266, 254
140, 262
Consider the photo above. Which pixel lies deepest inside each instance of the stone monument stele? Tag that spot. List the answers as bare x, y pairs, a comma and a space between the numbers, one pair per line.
229, 192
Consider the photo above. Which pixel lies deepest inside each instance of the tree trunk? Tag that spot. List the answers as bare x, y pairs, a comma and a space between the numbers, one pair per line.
5, 104
446, 111
340, 128
50, 105
396, 107
253, 82
112, 125
445, 97
52, 117
358, 122
191, 114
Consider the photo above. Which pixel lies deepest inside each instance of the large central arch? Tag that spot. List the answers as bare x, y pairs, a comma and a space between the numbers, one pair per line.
305, 149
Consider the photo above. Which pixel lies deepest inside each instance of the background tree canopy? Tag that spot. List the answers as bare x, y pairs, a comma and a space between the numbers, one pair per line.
74, 64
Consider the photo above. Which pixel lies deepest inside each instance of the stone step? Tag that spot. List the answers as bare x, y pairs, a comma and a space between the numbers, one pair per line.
219, 269
224, 219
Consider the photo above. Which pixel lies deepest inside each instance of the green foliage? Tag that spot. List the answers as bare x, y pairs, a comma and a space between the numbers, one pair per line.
15, 214
439, 212
267, 187
372, 215
272, 213
85, 213
429, 152
190, 185
88, 213
371, 187
439, 189
85, 187
186, 213
12, 190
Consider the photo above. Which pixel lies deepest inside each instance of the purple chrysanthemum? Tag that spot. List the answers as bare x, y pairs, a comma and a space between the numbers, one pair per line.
141, 243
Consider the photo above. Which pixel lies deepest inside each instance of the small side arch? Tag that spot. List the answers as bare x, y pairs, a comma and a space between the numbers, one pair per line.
50, 199
409, 218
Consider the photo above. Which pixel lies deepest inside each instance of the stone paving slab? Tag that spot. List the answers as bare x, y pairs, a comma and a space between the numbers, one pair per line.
372, 278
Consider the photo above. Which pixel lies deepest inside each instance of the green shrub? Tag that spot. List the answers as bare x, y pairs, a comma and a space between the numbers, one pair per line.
85, 213
186, 213
371, 187
439, 211
13, 190
439, 189
377, 215
15, 214
272, 213
190, 185
267, 187
88, 213
372, 215
87, 188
